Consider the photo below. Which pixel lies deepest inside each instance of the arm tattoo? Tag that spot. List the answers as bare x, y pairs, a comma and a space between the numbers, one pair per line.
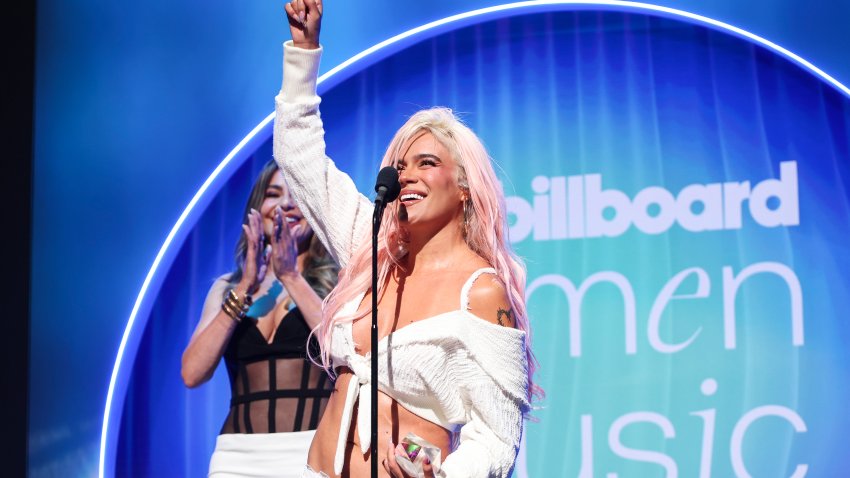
509, 314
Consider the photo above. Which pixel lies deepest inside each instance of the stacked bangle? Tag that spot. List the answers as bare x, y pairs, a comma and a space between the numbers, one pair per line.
234, 306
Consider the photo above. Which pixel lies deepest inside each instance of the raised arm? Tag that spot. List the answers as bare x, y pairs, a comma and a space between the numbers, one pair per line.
337, 212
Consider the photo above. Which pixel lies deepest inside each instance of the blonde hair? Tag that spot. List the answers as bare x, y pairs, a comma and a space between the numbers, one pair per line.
485, 230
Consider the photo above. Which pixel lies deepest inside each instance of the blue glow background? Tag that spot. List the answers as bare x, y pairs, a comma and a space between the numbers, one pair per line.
137, 103
643, 101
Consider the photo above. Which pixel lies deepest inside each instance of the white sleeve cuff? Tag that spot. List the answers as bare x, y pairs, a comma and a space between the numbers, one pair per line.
301, 70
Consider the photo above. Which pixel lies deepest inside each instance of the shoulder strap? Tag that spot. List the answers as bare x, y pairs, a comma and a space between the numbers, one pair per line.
464, 293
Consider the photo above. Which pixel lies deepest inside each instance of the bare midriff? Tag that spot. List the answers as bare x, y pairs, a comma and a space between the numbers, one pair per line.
394, 422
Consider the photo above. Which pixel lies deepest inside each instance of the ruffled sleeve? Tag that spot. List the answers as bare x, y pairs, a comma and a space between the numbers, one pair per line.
495, 396
339, 215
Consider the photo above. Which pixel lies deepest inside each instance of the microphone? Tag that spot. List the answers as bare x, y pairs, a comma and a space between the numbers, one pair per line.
387, 186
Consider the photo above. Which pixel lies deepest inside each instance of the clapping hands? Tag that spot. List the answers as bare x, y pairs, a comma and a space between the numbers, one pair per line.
256, 255
284, 249
281, 253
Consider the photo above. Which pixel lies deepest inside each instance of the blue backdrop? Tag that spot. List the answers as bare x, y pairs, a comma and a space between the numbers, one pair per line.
685, 282
136, 104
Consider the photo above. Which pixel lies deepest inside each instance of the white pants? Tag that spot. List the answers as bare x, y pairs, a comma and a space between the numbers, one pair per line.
260, 455
309, 473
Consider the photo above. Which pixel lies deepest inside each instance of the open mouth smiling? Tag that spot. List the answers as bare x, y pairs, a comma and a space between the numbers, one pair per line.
410, 197
292, 221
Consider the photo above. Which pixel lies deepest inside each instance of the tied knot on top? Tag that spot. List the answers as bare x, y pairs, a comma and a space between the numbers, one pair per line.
359, 392
362, 368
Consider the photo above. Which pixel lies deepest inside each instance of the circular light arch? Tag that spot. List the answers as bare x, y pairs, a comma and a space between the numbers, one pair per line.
139, 315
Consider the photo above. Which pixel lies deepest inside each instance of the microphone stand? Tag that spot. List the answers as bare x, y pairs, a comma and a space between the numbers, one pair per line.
376, 224
387, 187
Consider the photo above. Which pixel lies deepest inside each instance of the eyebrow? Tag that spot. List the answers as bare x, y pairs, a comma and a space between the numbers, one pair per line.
421, 156
272, 186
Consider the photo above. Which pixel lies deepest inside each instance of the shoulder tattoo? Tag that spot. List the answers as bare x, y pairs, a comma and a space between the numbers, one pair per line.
508, 314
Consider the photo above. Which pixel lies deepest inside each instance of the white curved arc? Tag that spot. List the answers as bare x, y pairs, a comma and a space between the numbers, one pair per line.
623, 5
498, 9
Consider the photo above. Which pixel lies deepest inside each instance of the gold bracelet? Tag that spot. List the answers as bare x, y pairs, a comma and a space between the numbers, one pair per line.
231, 312
244, 303
236, 307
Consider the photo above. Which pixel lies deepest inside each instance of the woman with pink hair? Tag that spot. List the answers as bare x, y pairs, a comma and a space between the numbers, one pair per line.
455, 360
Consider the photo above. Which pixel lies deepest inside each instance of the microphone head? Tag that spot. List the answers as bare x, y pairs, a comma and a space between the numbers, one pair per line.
388, 181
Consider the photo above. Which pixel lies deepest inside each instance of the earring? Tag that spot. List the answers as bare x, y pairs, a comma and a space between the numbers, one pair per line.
467, 205
402, 238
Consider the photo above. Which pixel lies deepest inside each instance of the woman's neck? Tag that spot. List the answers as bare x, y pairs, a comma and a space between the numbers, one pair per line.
446, 249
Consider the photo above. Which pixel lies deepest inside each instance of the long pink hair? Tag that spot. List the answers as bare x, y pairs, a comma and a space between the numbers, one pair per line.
486, 231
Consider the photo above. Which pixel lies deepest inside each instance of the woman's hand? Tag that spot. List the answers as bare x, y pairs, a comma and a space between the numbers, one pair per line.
284, 259
305, 21
256, 258
391, 465
284, 249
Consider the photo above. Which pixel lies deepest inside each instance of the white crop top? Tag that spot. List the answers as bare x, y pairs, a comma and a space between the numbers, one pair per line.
419, 361
454, 369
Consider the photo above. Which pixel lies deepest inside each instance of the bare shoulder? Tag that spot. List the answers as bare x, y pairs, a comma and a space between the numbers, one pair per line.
488, 299
218, 286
